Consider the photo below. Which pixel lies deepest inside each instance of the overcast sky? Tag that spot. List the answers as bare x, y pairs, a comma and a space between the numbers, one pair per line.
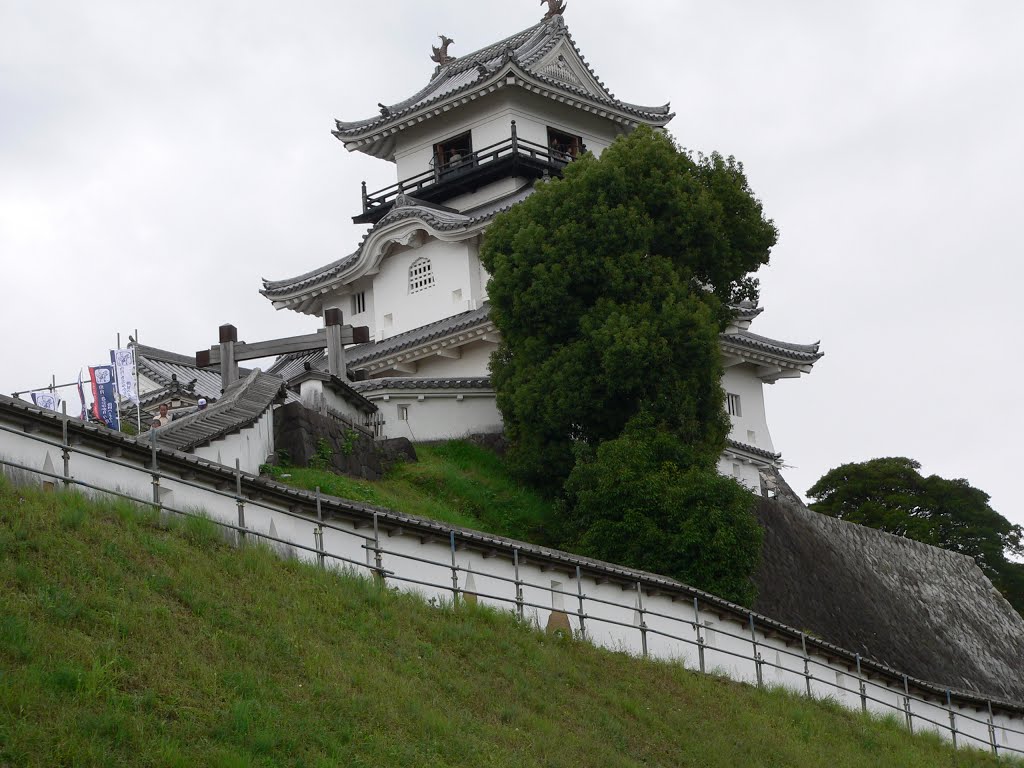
158, 159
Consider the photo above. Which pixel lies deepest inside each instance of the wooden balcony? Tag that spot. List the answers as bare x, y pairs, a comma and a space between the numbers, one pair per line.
509, 157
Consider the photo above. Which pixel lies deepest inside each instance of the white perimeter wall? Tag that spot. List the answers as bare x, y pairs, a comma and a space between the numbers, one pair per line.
251, 446
616, 613
437, 415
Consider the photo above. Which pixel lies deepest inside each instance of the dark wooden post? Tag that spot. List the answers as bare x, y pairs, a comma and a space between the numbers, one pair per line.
228, 366
335, 347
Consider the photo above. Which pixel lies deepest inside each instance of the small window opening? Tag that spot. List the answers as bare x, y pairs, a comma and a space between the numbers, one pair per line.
358, 302
732, 404
564, 146
454, 153
403, 413
421, 275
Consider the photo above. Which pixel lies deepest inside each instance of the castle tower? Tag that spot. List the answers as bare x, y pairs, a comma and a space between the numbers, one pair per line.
468, 145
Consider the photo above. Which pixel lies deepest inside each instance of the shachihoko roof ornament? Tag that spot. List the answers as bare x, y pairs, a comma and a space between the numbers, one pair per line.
440, 55
555, 8
542, 59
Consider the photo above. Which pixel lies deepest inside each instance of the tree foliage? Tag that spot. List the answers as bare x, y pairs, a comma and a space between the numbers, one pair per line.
638, 500
609, 287
890, 494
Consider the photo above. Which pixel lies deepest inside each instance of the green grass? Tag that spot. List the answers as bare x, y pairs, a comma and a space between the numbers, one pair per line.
456, 482
128, 642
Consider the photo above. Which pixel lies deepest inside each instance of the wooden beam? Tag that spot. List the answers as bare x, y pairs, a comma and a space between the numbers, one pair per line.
310, 342
452, 353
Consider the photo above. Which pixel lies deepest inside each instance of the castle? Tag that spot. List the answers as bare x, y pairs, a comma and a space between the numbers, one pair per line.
468, 145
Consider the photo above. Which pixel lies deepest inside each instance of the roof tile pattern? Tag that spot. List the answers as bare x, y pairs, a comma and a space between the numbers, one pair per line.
526, 48
410, 382
412, 209
367, 353
800, 353
242, 404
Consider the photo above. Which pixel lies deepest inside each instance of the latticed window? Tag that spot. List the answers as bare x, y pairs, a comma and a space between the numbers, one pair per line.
421, 276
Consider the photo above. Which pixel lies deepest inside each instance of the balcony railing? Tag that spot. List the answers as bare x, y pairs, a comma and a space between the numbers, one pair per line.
513, 156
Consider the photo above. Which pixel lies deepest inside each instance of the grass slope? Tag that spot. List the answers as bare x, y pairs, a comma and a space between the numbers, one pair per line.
456, 482
127, 642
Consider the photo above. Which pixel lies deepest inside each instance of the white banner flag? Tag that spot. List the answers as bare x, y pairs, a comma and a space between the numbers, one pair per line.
123, 361
48, 400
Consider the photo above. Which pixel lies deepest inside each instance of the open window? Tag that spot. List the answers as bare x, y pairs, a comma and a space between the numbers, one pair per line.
454, 153
564, 146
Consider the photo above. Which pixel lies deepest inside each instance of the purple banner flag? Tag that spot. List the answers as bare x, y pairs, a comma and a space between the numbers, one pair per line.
104, 401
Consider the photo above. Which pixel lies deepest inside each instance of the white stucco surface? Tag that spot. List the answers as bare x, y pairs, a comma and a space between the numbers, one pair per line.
441, 563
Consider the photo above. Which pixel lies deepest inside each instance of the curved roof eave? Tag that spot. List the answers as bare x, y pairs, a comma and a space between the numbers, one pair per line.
288, 293
372, 136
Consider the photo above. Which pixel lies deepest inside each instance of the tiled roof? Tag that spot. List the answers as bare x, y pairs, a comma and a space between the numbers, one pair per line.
800, 353
342, 388
366, 353
442, 220
410, 382
526, 49
291, 365
736, 445
242, 404
165, 368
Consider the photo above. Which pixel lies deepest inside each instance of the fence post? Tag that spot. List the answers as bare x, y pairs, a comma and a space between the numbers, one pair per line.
519, 584
318, 543
860, 685
700, 637
153, 467
757, 654
239, 502
65, 445
992, 730
906, 704
579, 613
378, 560
643, 623
455, 572
807, 663
952, 716
321, 560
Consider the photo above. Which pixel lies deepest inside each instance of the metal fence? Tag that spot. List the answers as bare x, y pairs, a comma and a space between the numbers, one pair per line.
742, 653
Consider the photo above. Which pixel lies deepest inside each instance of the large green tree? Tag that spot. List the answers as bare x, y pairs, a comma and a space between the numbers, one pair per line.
609, 287
892, 495
638, 500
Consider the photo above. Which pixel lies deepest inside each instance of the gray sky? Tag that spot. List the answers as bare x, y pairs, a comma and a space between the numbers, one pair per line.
158, 159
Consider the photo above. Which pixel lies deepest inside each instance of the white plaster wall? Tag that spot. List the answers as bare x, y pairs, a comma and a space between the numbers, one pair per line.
742, 471
341, 298
251, 446
474, 361
429, 565
489, 121
437, 416
318, 397
450, 294
740, 380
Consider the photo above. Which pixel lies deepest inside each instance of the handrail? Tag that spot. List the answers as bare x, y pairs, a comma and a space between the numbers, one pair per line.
513, 146
871, 680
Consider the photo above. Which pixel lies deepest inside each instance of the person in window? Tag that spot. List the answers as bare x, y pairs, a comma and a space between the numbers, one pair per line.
456, 158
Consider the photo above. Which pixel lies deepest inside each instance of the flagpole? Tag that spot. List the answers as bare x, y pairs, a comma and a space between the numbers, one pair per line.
135, 358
